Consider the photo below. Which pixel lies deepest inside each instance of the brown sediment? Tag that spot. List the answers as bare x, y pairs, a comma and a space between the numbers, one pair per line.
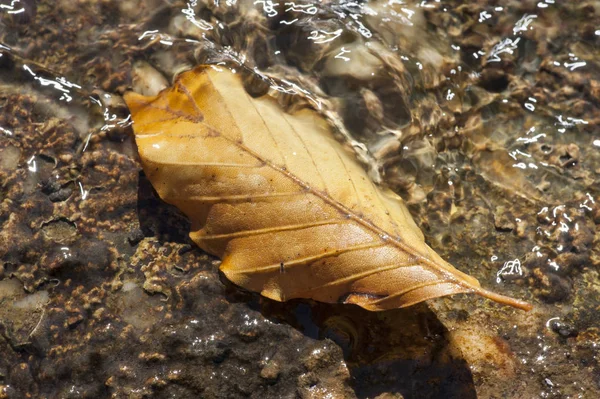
89, 340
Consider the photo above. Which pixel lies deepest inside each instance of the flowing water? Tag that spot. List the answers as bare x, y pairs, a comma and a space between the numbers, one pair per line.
482, 115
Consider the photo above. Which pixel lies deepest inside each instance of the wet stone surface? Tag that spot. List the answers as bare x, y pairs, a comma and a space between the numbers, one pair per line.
484, 117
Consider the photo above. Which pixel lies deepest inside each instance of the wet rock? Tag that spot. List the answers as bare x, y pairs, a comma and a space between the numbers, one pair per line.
21, 375
135, 237
503, 220
565, 330
138, 308
552, 287
147, 80
130, 308
55, 191
362, 66
483, 351
270, 371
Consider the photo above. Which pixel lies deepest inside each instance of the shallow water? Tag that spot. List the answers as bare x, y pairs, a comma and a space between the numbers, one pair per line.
483, 116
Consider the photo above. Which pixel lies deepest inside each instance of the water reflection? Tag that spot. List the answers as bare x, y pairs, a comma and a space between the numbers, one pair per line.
481, 115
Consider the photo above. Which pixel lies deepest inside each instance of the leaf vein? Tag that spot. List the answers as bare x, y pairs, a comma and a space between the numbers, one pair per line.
248, 233
412, 288
236, 197
358, 276
309, 259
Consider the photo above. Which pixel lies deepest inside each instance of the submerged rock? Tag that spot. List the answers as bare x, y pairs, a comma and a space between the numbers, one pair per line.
481, 115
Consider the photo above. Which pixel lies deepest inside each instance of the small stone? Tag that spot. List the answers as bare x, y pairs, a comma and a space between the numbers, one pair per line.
147, 80
50, 186
135, 237
74, 321
156, 381
271, 371
66, 158
152, 357
563, 329
61, 195
503, 220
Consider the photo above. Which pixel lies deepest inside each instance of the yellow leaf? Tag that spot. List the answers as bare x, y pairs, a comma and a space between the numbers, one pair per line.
287, 209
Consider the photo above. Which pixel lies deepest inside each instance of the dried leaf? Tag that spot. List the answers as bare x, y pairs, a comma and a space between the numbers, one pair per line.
287, 209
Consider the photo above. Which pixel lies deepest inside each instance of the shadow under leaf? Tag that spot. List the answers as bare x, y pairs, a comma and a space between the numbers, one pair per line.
401, 351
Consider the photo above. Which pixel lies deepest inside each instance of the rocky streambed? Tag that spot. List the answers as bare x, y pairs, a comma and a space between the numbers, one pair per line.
483, 116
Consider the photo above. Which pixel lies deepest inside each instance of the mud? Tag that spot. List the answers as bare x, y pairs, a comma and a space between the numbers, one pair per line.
482, 116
